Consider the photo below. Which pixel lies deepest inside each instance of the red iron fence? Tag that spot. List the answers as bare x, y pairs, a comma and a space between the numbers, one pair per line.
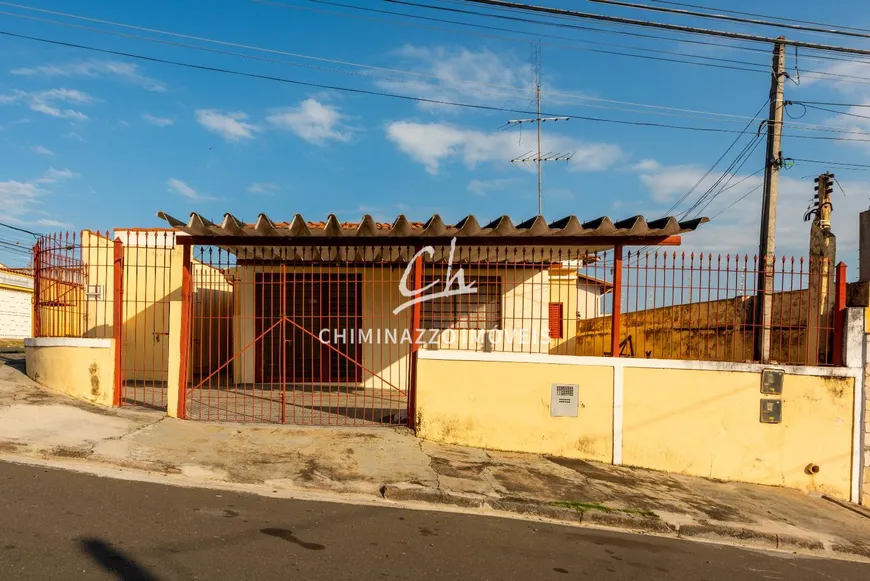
330, 334
99, 285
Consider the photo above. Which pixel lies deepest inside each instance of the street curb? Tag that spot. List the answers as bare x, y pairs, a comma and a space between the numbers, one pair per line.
706, 532
418, 497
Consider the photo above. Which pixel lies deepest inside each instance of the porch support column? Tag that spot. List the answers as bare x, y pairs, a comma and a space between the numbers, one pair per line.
415, 325
179, 330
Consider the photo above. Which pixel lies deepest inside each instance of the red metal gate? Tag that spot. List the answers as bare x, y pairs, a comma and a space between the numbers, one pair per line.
289, 335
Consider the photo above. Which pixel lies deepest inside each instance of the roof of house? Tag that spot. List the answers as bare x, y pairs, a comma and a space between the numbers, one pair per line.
401, 227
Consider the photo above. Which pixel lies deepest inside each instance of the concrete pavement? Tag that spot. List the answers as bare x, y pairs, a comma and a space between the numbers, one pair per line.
62, 525
390, 466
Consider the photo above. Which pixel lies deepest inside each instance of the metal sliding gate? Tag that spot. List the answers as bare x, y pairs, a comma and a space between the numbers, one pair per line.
296, 335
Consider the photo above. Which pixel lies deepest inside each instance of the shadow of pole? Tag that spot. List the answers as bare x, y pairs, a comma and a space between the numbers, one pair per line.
114, 561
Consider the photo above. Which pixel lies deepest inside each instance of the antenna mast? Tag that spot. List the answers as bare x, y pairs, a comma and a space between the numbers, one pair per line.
539, 157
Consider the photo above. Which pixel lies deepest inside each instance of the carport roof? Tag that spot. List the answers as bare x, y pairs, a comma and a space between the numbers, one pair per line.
636, 228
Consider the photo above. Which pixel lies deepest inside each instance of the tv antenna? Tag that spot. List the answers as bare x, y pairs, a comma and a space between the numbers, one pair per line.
538, 156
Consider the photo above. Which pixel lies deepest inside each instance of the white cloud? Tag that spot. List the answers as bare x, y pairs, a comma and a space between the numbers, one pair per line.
53, 175
42, 150
158, 121
446, 74
483, 187
46, 102
232, 126
20, 199
736, 229
53, 223
128, 72
431, 144
646, 165
262, 188
181, 188
312, 121
669, 183
75, 137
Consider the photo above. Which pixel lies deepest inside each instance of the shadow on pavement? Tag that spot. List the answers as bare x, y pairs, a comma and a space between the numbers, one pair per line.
114, 561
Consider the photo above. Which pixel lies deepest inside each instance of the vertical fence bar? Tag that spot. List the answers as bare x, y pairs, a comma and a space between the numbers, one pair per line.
118, 318
616, 320
36, 287
186, 296
839, 313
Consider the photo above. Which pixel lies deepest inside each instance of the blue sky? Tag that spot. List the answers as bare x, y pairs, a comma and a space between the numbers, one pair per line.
94, 140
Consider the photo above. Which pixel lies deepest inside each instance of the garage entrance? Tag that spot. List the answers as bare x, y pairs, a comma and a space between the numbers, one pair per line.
283, 334
313, 302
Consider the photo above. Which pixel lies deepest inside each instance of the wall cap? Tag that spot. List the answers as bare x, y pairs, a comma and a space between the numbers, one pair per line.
626, 362
68, 342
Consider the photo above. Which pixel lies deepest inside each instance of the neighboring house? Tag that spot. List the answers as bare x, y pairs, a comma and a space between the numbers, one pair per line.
16, 303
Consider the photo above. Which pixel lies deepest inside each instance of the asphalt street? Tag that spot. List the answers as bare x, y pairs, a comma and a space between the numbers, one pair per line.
62, 525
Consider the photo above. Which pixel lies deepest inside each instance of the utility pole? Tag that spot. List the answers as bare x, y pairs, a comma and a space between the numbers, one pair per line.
767, 242
538, 156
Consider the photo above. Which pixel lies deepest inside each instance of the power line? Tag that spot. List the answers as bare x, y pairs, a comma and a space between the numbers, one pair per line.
756, 15
829, 110
722, 17
483, 26
735, 202
348, 63
17, 229
762, 67
650, 24
841, 164
393, 95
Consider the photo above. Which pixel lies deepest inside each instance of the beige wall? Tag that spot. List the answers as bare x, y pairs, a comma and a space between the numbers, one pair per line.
703, 422
706, 423
506, 406
83, 372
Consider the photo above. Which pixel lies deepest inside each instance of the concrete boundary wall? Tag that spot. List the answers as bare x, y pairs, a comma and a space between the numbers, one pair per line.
693, 417
82, 368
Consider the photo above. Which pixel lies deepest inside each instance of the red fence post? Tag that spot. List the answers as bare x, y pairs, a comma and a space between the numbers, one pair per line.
616, 320
36, 275
186, 295
839, 314
415, 325
118, 317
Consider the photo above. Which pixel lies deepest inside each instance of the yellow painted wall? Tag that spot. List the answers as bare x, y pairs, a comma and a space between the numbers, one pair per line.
702, 423
150, 276
506, 406
83, 372
706, 423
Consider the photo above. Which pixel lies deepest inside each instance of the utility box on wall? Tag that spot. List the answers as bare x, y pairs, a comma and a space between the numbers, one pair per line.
564, 400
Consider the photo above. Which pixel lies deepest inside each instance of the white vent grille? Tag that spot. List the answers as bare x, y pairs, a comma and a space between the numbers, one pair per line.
564, 400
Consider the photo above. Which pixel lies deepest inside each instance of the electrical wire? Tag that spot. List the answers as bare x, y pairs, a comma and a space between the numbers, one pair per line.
808, 127
23, 230
723, 17
347, 63
841, 164
756, 15
394, 95
735, 202
573, 14
830, 110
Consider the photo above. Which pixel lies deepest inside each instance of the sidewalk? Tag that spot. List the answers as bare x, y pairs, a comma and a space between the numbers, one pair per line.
392, 467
